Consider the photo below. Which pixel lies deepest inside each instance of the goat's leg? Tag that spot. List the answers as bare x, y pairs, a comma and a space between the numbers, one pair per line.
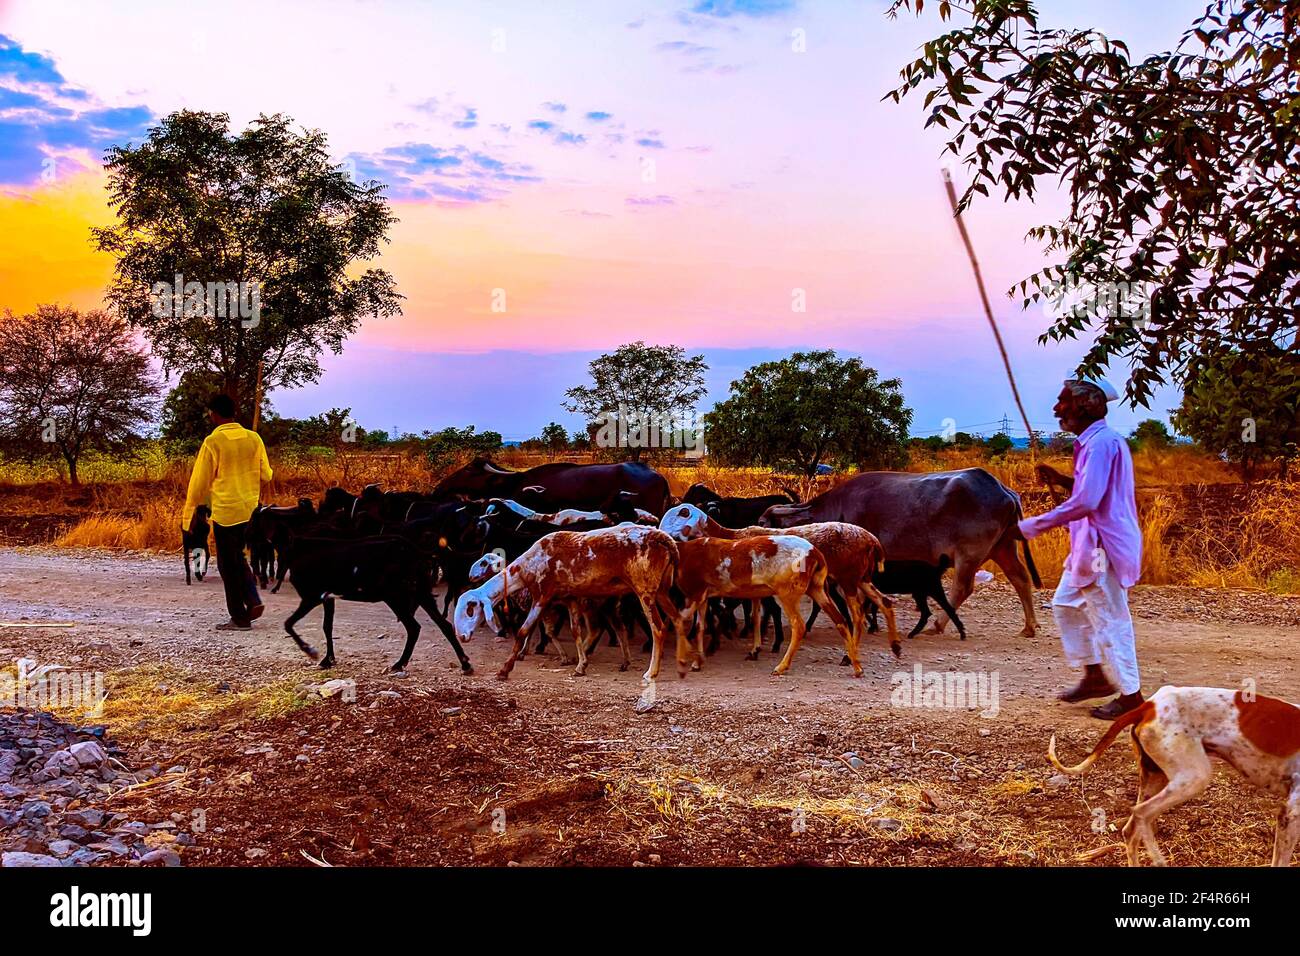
923, 610
689, 658
791, 604
713, 615
185, 548
328, 660
699, 641
941, 599
622, 629
817, 591
868, 592
565, 659
585, 635
430, 605
772, 612
963, 583
406, 615
833, 590
755, 607
658, 625
304, 608
521, 638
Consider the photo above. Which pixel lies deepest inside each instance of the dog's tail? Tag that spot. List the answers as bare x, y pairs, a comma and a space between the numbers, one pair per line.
1132, 717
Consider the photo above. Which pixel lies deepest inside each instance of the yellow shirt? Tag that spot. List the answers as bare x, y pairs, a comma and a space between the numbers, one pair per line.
228, 472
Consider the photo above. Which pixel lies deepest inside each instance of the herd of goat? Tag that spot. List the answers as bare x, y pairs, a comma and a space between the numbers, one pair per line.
681, 568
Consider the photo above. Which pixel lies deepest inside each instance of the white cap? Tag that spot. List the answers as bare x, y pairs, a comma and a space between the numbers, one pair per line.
1104, 386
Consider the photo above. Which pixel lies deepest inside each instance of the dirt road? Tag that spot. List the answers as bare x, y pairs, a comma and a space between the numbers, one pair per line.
732, 765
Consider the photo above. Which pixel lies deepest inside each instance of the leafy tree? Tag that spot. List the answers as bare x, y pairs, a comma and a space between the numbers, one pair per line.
554, 437
807, 409
184, 421
330, 429
72, 382
1061, 443
373, 439
999, 444
641, 382
266, 208
443, 448
1180, 169
1152, 433
1246, 407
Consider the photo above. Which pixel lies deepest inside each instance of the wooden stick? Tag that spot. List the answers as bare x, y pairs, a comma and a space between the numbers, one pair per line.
257, 396
988, 310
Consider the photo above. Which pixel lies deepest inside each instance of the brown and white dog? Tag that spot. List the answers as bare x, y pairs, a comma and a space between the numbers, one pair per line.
1176, 732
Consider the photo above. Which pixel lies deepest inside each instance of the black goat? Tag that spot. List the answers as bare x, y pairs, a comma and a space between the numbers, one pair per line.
387, 568
194, 542
922, 581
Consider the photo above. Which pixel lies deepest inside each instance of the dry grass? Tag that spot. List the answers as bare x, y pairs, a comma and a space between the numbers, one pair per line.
160, 702
156, 527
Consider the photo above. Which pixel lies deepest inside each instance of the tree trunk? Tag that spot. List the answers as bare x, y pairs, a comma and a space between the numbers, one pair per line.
72, 471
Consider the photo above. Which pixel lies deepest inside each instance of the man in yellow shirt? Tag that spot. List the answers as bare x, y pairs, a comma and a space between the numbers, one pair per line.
228, 473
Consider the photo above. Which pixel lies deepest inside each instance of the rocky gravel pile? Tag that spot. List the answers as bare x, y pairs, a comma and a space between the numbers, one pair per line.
57, 782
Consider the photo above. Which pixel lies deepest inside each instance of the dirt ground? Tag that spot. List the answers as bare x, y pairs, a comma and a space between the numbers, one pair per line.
732, 765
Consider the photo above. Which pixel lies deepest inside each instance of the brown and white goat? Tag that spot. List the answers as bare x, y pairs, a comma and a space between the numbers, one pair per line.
572, 567
785, 567
853, 554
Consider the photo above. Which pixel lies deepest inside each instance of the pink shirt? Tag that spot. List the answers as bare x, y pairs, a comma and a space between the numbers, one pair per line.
1101, 511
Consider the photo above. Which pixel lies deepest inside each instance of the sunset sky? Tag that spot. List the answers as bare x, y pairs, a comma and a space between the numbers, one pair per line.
661, 171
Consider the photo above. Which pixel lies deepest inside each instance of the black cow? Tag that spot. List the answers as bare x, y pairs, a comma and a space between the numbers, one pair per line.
734, 512
559, 485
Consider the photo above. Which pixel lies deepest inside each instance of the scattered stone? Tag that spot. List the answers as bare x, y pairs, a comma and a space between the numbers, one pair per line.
888, 824
87, 817
28, 859
450, 711
255, 853
1058, 781
161, 857
74, 832
62, 848
36, 810
88, 753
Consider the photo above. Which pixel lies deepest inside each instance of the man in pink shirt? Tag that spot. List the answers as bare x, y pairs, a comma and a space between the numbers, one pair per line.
1105, 560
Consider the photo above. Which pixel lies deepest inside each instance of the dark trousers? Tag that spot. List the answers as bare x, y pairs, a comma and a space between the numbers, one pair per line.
236, 575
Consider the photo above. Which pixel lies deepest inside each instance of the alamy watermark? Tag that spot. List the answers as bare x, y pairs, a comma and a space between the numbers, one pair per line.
51, 687
647, 428
947, 690
210, 300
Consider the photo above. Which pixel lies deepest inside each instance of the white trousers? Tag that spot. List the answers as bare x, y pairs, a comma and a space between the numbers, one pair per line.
1095, 625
